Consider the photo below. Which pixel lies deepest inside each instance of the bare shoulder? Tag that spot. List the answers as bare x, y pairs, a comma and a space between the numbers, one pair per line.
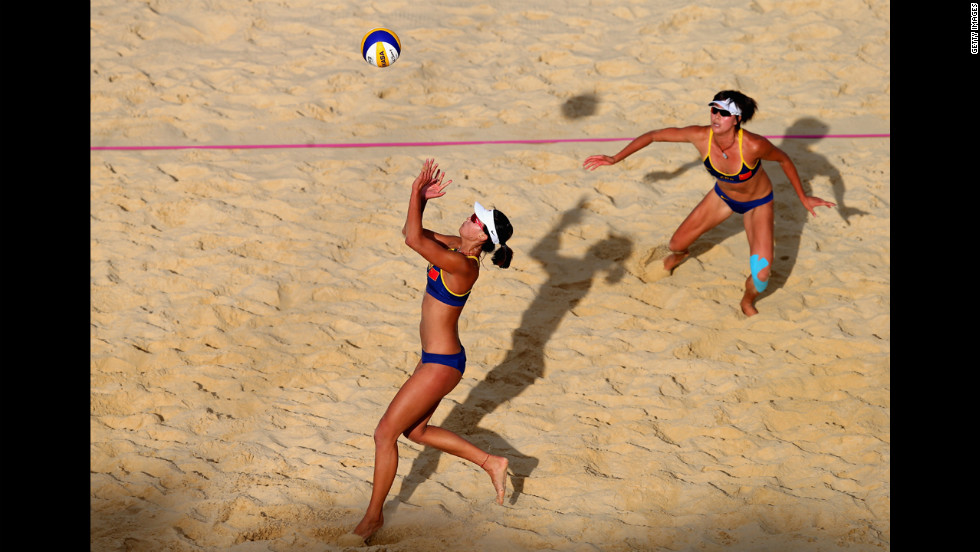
756, 145
752, 138
698, 135
693, 134
697, 132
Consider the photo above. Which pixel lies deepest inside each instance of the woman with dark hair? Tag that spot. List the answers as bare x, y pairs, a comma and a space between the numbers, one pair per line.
733, 156
454, 266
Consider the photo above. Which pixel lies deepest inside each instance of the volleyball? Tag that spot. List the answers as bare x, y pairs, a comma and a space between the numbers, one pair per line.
380, 47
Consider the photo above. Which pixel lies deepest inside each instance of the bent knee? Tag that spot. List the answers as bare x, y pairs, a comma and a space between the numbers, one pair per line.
384, 434
415, 435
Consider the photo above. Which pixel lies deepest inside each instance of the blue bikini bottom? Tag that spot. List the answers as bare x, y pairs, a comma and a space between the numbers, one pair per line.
741, 207
456, 360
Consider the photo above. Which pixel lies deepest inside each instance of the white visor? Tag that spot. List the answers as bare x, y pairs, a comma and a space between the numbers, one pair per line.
486, 217
728, 105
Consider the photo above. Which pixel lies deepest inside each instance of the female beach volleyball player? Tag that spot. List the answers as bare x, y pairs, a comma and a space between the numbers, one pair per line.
732, 156
454, 266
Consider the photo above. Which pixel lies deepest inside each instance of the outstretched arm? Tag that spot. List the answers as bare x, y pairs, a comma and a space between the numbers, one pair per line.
672, 134
786, 164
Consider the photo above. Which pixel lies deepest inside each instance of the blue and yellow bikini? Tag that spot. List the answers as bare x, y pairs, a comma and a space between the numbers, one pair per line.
435, 286
745, 173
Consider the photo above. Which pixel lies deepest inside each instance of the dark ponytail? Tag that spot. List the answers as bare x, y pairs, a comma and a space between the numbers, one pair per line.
503, 255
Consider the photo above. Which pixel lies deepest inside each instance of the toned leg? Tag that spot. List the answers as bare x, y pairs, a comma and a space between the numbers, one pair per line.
759, 231
412, 406
710, 212
447, 441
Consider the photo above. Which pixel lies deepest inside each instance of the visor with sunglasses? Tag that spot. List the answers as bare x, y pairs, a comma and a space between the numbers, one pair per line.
725, 108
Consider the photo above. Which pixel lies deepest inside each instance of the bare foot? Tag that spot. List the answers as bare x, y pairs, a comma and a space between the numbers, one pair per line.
496, 466
748, 299
368, 526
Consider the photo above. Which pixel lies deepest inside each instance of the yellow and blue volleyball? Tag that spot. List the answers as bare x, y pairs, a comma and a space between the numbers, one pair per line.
380, 47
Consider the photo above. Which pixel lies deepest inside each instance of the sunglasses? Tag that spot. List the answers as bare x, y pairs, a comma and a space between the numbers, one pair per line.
721, 112
475, 219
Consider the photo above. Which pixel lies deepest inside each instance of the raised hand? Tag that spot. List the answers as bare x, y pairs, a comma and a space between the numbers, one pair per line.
429, 181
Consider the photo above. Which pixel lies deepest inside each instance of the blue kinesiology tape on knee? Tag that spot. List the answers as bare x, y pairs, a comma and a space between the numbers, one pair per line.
756, 264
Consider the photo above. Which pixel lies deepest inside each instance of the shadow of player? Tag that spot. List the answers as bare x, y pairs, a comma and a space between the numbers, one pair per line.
790, 215
800, 138
569, 280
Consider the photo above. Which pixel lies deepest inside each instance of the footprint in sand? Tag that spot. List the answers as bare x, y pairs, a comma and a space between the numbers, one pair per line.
351, 539
650, 267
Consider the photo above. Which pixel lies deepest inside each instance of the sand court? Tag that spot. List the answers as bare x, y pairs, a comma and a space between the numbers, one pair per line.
254, 307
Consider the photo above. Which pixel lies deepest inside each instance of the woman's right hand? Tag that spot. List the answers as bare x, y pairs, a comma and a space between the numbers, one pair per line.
594, 161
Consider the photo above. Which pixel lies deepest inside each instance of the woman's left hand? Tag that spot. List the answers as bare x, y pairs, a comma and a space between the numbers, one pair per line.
810, 202
429, 181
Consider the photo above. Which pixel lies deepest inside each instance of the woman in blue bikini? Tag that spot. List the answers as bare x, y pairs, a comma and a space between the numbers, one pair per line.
454, 266
732, 156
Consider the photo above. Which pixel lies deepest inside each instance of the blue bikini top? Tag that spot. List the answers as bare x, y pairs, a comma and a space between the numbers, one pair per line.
435, 286
742, 175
